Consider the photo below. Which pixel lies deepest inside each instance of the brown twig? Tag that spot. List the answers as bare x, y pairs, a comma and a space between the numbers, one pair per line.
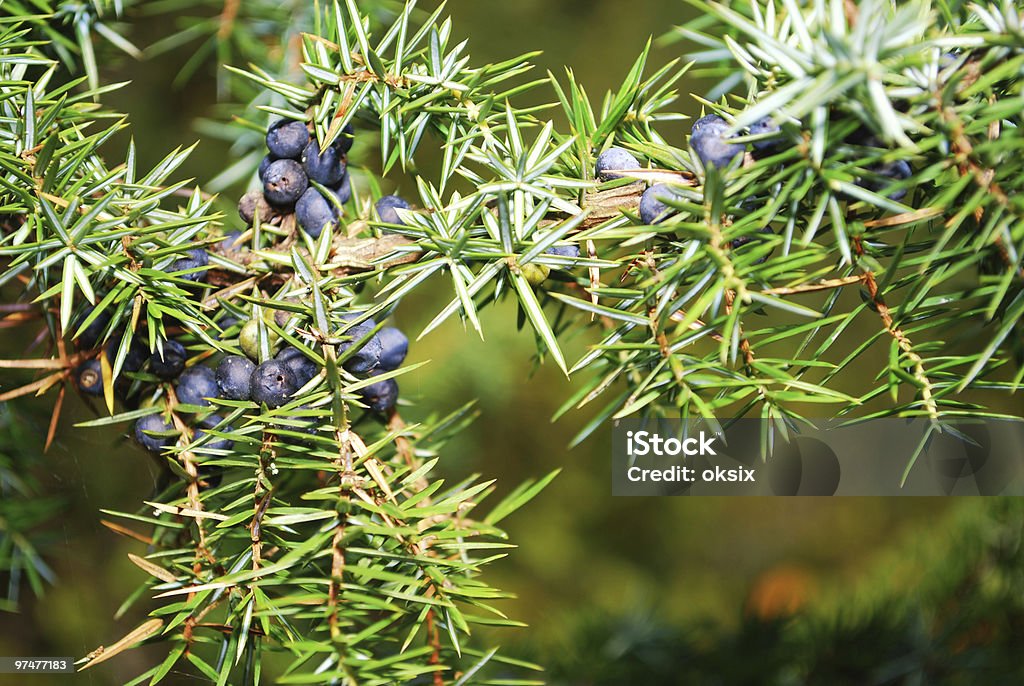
435, 645
195, 503
227, 18
904, 343
337, 547
748, 351
826, 285
983, 176
261, 499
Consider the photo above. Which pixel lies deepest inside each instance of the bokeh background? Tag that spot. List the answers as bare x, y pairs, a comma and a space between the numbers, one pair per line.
615, 590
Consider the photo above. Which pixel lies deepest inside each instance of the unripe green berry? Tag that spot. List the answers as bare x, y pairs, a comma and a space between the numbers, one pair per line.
249, 339
536, 274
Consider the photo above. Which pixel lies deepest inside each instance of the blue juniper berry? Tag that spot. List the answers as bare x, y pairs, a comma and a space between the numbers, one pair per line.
387, 209
708, 140
225, 323
287, 138
737, 244
381, 396
765, 126
234, 374
232, 242
345, 139
302, 367
89, 376
171, 363
653, 209
136, 356
214, 443
394, 348
90, 336
343, 191
196, 258
897, 170
284, 182
273, 383
613, 160
313, 212
264, 164
326, 167
367, 356
153, 423
196, 386
571, 250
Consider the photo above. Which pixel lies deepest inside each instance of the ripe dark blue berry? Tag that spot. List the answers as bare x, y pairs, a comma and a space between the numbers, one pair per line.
653, 208
343, 191
153, 423
225, 323
367, 356
708, 140
571, 250
613, 160
394, 348
196, 386
264, 163
253, 205
284, 182
737, 244
381, 396
171, 363
313, 212
897, 171
91, 335
765, 126
89, 375
344, 141
197, 257
326, 167
387, 209
215, 443
233, 377
302, 367
232, 242
287, 138
273, 382
137, 354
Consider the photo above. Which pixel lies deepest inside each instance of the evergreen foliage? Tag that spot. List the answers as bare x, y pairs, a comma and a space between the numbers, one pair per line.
879, 159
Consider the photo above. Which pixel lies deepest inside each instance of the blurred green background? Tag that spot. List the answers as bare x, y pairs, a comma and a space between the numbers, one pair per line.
583, 556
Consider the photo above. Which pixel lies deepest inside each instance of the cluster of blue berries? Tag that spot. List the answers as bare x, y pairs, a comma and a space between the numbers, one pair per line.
882, 173
300, 177
711, 146
166, 363
366, 352
274, 381
714, 148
